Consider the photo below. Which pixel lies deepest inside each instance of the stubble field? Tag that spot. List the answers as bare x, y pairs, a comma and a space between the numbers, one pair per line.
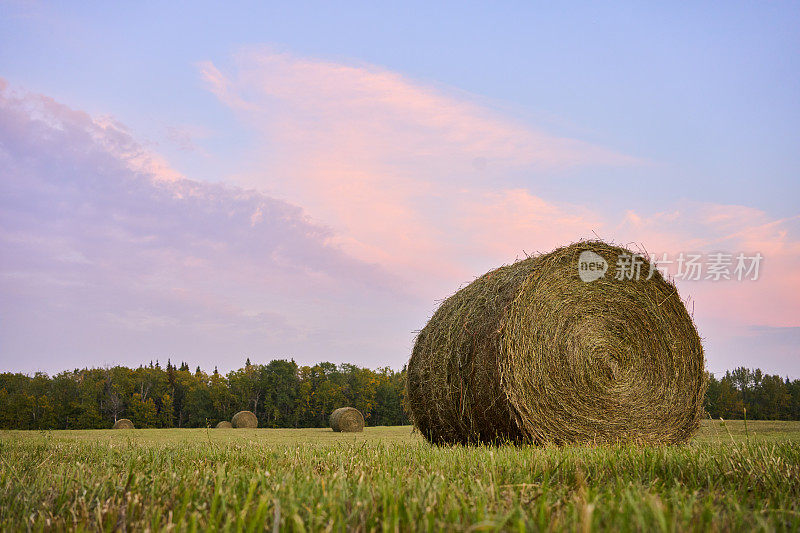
388, 478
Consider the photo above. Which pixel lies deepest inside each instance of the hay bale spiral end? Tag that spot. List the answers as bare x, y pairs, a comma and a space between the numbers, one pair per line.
347, 419
123, 423
530, 352
244, 419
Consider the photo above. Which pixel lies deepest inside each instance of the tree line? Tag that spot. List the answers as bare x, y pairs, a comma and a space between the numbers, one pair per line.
284, 394
280, 393
751, 393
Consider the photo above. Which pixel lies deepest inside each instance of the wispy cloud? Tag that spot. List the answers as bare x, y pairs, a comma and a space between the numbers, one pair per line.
425, 181
398, 167
368, 197
706, 227
100, 235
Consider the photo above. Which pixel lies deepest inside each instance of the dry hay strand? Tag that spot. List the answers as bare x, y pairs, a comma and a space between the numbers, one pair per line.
224, 425
123, 423
531, 353
244, 419
347, 419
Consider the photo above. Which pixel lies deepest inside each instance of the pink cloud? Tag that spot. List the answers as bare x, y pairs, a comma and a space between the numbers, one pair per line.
405, 187
416, 177
107, 252
702, 227
384, 159
374, 110
501, 222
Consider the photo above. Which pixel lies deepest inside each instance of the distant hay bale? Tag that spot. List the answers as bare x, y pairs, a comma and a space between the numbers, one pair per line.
530, 352
347, 419
244, 419
123, 423
224, 425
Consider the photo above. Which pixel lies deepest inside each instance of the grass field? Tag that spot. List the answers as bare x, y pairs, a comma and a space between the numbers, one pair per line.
389, 479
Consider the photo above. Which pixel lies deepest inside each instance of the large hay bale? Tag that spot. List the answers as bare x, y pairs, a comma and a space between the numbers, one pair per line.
224, 425
531, 353
123, 423
347, 419
244, 419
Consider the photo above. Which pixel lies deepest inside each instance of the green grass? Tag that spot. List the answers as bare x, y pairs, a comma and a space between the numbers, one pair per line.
389, 479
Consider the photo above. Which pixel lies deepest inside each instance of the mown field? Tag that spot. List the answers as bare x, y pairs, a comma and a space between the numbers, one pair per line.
389, 479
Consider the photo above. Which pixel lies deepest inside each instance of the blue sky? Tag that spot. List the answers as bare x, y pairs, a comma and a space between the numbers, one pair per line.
708, 89
642, 111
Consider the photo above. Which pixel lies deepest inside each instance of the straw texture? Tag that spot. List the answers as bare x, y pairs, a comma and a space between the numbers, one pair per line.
347, 419
123, 423
529, 352
244, 419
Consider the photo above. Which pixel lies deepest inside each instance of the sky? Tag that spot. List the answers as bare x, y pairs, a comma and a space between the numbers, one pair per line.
208, 182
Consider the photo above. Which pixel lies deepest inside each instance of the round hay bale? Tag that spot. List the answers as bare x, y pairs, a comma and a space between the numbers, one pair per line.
224, 425
244, 419
347, 419
123, 423
530, 352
